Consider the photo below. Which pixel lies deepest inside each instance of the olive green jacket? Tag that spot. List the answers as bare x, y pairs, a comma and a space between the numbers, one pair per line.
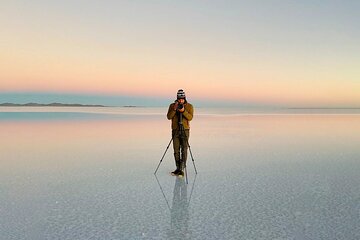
187, 116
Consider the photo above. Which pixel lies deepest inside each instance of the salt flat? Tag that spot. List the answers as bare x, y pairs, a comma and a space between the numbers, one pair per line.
88, 174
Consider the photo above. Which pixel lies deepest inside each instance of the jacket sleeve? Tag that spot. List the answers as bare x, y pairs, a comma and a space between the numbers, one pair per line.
171, 112
188, 113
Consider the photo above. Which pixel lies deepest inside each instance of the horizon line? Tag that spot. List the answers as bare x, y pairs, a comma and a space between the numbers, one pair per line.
60, 104
18, 97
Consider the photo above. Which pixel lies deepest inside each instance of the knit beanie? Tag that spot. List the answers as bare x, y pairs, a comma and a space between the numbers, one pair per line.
180, 94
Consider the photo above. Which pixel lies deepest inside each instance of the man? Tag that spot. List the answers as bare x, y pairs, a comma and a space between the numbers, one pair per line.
180, 110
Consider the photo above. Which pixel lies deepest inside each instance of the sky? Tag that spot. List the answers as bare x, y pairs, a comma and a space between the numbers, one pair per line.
240, 53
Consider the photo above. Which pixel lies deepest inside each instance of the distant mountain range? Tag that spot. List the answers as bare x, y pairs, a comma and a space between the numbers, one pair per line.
48, 105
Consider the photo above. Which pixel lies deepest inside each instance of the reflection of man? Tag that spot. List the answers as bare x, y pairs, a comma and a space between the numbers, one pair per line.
179, 211
183, 110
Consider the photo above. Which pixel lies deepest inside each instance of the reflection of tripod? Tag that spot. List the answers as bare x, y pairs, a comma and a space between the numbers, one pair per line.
182, 136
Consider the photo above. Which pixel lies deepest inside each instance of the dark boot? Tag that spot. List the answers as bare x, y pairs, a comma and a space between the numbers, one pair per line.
178, 166
182, 167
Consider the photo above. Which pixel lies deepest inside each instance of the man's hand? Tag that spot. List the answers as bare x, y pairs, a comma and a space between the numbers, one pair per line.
176, 105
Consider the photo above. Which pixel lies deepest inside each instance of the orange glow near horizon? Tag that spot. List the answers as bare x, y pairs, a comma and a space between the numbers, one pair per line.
44, 73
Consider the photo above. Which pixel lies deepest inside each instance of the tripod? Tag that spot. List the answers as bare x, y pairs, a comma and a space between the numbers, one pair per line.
182, 136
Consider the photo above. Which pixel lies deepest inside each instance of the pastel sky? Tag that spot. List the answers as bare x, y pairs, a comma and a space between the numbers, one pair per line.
270, 52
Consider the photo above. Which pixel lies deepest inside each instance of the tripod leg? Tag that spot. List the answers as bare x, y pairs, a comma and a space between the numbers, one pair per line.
186, 176
192, 158
163, 155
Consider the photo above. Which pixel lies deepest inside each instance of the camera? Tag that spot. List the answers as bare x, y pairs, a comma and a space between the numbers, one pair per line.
180, 106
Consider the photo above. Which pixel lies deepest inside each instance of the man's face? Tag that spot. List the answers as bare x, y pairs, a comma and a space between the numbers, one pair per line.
181, 100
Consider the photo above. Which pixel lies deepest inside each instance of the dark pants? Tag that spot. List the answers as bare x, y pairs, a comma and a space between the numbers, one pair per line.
180, 144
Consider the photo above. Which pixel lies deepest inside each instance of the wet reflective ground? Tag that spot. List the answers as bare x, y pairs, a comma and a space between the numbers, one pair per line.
88, 174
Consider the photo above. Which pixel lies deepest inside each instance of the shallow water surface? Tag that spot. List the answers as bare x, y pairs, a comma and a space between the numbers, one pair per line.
83, 173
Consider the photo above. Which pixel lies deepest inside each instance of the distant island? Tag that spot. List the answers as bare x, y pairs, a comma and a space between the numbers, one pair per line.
48, 105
